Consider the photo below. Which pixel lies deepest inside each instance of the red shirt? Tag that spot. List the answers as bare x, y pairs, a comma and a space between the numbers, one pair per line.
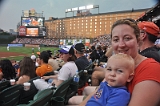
148, 69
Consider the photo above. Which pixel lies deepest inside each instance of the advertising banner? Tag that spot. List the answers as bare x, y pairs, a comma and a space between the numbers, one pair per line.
32, 32
22, 31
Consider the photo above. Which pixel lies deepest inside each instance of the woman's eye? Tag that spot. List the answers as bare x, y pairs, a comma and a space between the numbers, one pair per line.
115, 40
127, 38
108, 69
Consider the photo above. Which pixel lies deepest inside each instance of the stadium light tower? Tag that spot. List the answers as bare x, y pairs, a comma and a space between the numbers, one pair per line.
88, 7
92, 7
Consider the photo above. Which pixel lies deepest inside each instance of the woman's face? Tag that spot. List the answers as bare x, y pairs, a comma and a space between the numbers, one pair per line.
124, 40
64, 56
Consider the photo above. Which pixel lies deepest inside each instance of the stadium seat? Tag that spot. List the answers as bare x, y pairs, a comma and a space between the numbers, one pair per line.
42, 98
10, 96
4, 85
26, 96
61, 91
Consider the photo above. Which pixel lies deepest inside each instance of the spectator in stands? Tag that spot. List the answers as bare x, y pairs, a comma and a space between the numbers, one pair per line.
27, 70
81, 61
148, 35
68, 69
7, 71
44, 66
52, 61
93, 54
15, 65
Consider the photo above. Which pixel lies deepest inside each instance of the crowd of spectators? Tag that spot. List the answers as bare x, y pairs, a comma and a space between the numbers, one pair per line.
127, 37
38, 41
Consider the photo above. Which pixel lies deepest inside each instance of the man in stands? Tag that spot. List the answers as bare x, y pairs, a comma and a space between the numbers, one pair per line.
44, 66
148, 35
81, 62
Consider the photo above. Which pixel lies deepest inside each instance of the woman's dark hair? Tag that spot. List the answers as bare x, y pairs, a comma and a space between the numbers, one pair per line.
7, 69
27, 67
73, 57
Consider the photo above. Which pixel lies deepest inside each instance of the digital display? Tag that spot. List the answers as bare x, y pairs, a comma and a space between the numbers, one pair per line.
32, 31
32, 21
42, 31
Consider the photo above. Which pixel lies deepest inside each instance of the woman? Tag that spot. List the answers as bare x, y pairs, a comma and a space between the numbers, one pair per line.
7, 71
125, 38
68, 69
27, 70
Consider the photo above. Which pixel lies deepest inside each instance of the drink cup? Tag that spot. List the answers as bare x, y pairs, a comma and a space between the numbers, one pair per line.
26, 86
12, 81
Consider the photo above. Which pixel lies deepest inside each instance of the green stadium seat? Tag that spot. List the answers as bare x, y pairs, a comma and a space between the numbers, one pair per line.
10, 96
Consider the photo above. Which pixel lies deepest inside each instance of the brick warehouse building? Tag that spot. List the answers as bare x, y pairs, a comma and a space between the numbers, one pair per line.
87, 26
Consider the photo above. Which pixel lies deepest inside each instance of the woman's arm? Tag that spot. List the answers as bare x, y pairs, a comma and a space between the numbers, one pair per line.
146, 93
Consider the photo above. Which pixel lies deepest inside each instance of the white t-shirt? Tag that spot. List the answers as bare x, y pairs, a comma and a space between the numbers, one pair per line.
157, 42
68, 70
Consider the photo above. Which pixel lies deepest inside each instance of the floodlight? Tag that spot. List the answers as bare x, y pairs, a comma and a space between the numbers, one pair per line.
69, 10
82, 8
75, 9
89, 7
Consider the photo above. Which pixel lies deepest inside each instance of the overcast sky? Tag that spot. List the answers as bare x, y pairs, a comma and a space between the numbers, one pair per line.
11, 10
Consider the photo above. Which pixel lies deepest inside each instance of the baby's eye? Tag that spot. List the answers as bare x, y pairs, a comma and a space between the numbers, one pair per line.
120, 71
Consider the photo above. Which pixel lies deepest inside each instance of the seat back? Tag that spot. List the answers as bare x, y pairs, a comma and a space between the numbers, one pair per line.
63, 88
90, 67
42, 98
10, 96
26, 96
4, 85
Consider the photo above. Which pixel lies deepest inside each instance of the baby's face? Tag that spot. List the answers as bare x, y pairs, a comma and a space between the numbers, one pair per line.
117, 72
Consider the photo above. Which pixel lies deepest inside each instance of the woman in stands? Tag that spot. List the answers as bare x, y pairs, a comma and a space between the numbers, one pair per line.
125, 39
27, 70
7, 71
68, 69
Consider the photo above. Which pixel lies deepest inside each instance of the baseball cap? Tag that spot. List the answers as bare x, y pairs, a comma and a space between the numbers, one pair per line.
33, 57
50, 53
79, 47
67, 49
149, 27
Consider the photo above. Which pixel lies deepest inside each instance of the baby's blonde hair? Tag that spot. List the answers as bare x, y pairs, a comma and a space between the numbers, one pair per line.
124, 57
